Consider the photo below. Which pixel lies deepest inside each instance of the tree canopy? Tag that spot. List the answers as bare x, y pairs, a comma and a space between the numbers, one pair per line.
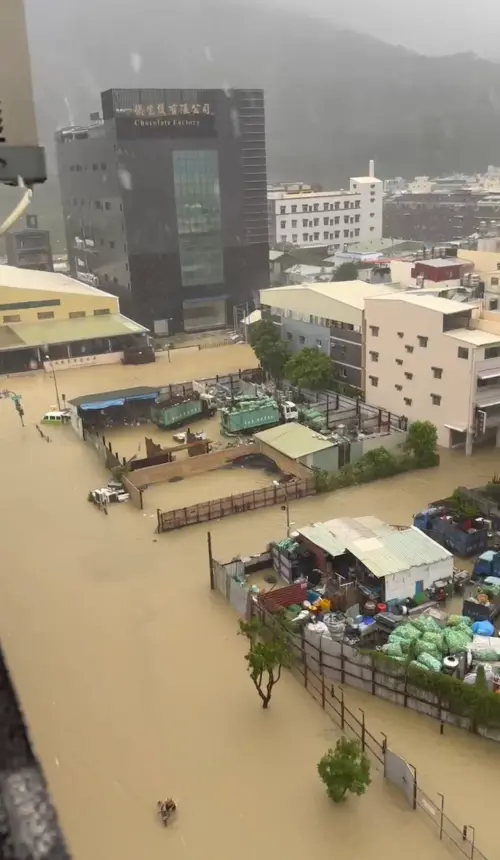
421, 443
309, 368
270, 350
268, 653
345, 769
347, 271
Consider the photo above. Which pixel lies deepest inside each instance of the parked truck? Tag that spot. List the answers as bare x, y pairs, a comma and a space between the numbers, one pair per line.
248, 415
460, 536
170, 412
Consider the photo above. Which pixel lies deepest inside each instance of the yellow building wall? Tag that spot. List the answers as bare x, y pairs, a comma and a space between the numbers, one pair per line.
69, 303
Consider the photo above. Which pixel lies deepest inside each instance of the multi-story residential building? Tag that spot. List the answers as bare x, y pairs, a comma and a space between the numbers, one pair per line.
165, 204
435, 359
333, 218
328, 317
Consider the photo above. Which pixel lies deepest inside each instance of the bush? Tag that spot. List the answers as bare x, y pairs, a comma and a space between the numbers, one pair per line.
375, 464
345, 768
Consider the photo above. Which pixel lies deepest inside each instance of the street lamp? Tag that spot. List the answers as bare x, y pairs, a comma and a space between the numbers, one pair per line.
47, 358
286, 507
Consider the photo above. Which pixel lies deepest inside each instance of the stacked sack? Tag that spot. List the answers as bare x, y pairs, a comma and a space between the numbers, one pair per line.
431, 642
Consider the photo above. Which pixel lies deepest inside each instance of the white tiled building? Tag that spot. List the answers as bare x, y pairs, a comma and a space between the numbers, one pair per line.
435, 359
333, 218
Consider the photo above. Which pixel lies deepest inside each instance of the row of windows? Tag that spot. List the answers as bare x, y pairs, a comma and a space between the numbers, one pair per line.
315, 237
78, 168
327, 222
199, 221
462, 351
97, 204
436, 371
315, 207
25, 306
49, 315
435, 398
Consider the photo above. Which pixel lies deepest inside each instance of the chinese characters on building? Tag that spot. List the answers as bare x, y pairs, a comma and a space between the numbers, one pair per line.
171, 110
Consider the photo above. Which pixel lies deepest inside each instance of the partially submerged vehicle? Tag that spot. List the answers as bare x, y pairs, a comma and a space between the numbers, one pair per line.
56, 416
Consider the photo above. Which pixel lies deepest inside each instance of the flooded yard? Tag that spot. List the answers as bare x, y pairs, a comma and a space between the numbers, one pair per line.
133, 678
129, 441
203, 488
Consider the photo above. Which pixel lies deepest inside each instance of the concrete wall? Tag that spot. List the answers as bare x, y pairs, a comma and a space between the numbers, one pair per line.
315, 336
188, 466
400, 585
327, 460
286, 464
83, 361
390, 441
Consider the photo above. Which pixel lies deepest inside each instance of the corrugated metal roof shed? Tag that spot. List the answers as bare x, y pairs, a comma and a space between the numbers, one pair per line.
383, 549
294, 440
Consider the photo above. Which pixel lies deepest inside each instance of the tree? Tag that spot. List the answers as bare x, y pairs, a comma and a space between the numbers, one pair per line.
270, 350
421, 443
309, 368
462, 506
481, 681
346, 272
269, 652
346, 768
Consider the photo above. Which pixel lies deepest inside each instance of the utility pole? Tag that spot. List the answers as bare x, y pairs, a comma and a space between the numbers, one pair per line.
55, 382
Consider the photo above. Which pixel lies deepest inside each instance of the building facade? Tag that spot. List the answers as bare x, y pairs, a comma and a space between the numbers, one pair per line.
29, 249
333, 218
165, 203
328, 317
435, 359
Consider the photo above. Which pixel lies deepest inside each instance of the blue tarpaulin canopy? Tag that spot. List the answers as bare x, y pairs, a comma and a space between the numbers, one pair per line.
117, 401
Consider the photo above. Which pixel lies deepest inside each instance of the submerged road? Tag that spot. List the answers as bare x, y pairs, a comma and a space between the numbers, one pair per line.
133, 680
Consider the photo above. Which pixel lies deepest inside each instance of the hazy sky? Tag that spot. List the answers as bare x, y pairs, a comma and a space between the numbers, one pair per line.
427, 26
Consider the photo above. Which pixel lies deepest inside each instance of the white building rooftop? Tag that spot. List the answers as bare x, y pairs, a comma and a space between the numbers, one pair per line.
30, 279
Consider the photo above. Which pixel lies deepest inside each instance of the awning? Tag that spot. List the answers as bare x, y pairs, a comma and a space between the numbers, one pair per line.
488, 399
488, 374
116, 401
51, 332
460, 428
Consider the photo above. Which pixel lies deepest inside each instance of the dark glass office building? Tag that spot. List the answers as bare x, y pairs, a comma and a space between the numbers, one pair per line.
164, 199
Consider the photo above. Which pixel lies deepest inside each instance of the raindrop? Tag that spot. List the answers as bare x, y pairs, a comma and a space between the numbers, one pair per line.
136, 61
208, 53
125, 178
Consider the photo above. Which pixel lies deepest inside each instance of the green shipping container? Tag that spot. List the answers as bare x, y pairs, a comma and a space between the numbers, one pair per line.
241, 420
178, 413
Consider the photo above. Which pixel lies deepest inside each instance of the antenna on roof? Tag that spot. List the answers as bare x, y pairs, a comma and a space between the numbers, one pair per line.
371, 168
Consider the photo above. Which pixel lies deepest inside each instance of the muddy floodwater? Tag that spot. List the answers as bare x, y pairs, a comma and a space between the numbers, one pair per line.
133, 680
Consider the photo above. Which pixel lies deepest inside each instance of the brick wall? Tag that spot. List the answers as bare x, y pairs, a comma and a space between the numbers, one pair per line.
188, 466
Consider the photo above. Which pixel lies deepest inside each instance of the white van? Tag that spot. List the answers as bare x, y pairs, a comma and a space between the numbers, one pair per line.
56, 417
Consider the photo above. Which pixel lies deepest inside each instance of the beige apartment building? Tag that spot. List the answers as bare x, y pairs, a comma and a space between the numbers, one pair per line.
435, 359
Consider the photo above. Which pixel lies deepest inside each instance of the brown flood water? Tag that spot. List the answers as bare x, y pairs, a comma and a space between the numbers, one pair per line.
133, 678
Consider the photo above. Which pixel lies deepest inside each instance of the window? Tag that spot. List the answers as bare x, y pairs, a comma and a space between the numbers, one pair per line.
372, 229
75, 315
337, 234
346, 234
326, 235
373, 381
326, 222
337, 219
294, 209
422, 341
374, 356
493, 304
97, 204
494, 282
316, 207
401, 334
408, 401
492, 352
463, 352
337, 205
103, 165
399, 361
111, 244
106, 277
95, 167
346, 204
316, 237
198, 207
302, 339
12, 318
45, 315
357, 204
356, 219
408, 375
374, 330
437, 372
346, 219
436, 399
115, 280
372, 186
283, 225
282, 210
304, 237
283, 239
21, 306
305, 222
398, 387
100, 312
326, 206
304, 207
289, 335
319, 343
294, 223
372, 214
316, 222
408, 348
295, 237
356, 232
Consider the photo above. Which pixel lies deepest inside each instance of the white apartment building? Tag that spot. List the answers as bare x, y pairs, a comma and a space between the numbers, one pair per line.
333, 218
435, 359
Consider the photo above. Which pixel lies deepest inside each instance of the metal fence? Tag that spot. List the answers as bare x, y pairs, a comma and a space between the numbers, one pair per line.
237, 504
